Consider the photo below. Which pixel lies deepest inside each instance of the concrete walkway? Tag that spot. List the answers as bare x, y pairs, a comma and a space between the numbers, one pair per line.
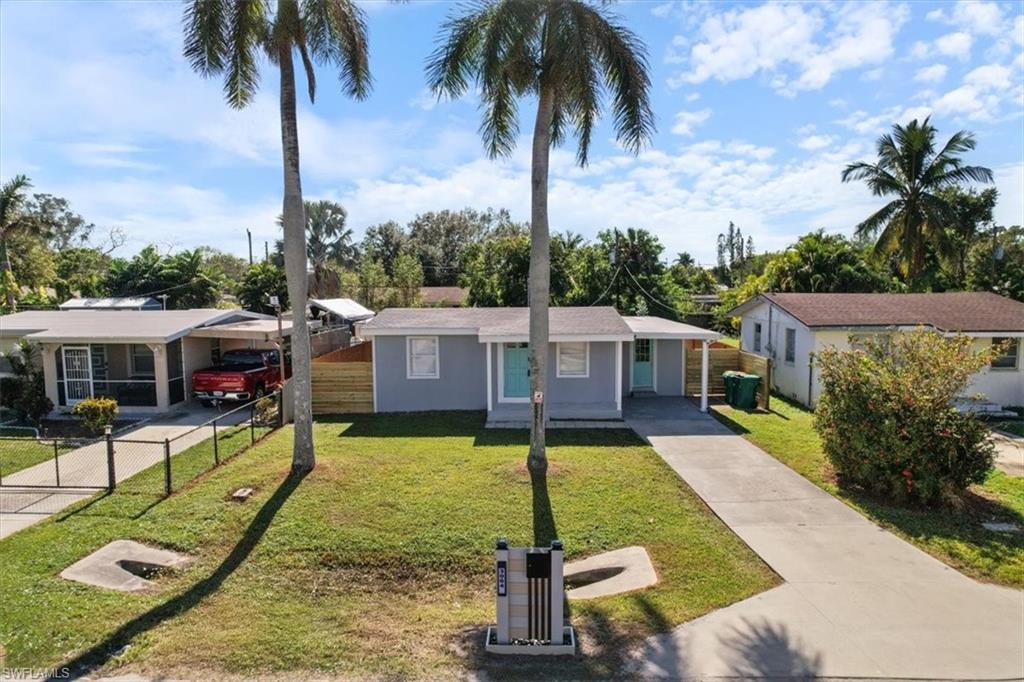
858, 602
87, 466
1009, 453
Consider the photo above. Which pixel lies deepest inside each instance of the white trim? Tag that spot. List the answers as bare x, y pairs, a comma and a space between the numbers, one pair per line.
618, 376
490, 406
373, 366
704, 362
554, 338
586, 361
408, 357
501, 377
682, 358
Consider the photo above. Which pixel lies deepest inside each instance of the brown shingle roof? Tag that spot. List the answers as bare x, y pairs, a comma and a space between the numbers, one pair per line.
966, 311
591, 321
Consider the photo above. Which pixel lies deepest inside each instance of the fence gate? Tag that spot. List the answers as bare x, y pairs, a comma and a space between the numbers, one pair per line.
343, 381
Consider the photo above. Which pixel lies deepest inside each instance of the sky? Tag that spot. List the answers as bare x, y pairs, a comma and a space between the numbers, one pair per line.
759, 107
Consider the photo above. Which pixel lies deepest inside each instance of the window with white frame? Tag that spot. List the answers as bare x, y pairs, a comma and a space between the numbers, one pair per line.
573, 359
422, 360
1009, 352
790, 345
757, 337
142, 361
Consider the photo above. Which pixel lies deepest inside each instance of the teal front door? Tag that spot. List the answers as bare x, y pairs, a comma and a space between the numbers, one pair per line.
516, 379
643, 364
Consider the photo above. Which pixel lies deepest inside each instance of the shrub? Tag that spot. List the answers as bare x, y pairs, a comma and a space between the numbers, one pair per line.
887, 422
96, 413
24, 392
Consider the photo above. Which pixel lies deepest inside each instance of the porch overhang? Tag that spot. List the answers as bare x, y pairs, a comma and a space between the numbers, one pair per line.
646, 327
250, 330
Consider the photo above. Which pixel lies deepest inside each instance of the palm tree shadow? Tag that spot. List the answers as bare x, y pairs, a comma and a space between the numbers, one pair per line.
100, 654
544, 528
765, 649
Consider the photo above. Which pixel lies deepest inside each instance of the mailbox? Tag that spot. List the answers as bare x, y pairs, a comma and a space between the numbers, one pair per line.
530, 598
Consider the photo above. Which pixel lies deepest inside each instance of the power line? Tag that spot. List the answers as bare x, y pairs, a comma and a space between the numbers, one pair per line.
609, 288
649, 295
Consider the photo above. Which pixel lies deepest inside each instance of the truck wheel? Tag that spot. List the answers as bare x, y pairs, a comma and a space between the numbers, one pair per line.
260, 391
206, 403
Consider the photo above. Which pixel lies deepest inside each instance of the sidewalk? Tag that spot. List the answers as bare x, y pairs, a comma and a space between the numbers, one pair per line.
87, 466
858, 602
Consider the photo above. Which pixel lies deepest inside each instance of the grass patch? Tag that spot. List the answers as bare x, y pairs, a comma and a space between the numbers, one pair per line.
18, 452
953, 536
1014, 427
377, 564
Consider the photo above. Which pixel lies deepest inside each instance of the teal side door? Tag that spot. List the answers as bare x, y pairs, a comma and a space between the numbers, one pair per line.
643, 365
517, 375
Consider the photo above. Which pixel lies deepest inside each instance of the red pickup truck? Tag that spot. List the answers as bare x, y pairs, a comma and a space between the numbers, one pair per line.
241, 375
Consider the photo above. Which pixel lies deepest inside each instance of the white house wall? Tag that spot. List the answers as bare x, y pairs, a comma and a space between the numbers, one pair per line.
795, 379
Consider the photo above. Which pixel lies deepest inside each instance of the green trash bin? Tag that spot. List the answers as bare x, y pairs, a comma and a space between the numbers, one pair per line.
745, 391
729, 379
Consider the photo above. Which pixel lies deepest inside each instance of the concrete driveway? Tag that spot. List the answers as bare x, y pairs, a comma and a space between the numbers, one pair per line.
858, 602
87, 466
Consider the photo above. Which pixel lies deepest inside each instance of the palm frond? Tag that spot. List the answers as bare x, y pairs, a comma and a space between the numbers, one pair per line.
206, 44
247, 27
455, 62
878, 219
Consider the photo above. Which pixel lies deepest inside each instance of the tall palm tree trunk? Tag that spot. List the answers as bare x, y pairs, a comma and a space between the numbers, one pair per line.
294, 223
12, 301
540, 279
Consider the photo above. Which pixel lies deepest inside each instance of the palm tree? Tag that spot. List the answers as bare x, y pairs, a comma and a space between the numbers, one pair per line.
327, 240
228, 37
910, 170
12, 200
569, 54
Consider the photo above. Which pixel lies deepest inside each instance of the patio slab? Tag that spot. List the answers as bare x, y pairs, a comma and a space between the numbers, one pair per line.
106, 567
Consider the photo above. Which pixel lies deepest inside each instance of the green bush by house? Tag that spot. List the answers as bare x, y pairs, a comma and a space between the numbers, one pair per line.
887, 422
96, 413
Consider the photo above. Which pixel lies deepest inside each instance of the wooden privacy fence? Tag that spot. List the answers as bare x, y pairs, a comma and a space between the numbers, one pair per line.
723, 360
343, 381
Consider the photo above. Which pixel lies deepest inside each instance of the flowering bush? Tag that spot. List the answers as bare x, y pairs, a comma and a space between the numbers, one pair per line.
96, 413
887, 423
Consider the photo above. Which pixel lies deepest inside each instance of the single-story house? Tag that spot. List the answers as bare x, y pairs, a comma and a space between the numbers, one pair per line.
791, 328
112, 303
476, 359
142, 358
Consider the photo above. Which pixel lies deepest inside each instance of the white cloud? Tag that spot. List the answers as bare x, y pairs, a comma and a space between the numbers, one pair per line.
980, 18
107, 155
425, 100
686, 121
956, 44
815, 142
780, 41
931, 74
693, 97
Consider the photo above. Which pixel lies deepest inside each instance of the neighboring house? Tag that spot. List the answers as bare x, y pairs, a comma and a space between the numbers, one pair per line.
477, 359
130, 303
339, 311
143, 359
791, 328
443, 297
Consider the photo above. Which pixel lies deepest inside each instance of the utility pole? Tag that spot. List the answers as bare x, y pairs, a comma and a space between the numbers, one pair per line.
266, 251
276, 302
249, 234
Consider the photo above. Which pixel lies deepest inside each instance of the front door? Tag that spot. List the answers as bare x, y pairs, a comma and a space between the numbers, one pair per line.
77, 374
516, 378
643, 364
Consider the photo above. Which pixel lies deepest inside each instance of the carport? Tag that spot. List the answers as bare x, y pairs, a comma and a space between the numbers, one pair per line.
641, 355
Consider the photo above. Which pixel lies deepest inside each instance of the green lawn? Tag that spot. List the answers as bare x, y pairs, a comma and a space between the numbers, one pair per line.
1014, 427
955, 537
17, 453
377, 564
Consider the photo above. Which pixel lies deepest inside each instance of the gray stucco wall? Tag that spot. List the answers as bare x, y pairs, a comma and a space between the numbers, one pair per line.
599, 387
462, 384
669, 360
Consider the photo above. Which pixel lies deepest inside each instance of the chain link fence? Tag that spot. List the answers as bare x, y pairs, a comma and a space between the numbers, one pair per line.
133, 465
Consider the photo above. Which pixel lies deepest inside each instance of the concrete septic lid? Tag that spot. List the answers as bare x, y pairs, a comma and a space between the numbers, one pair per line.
615, 572
112, 566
